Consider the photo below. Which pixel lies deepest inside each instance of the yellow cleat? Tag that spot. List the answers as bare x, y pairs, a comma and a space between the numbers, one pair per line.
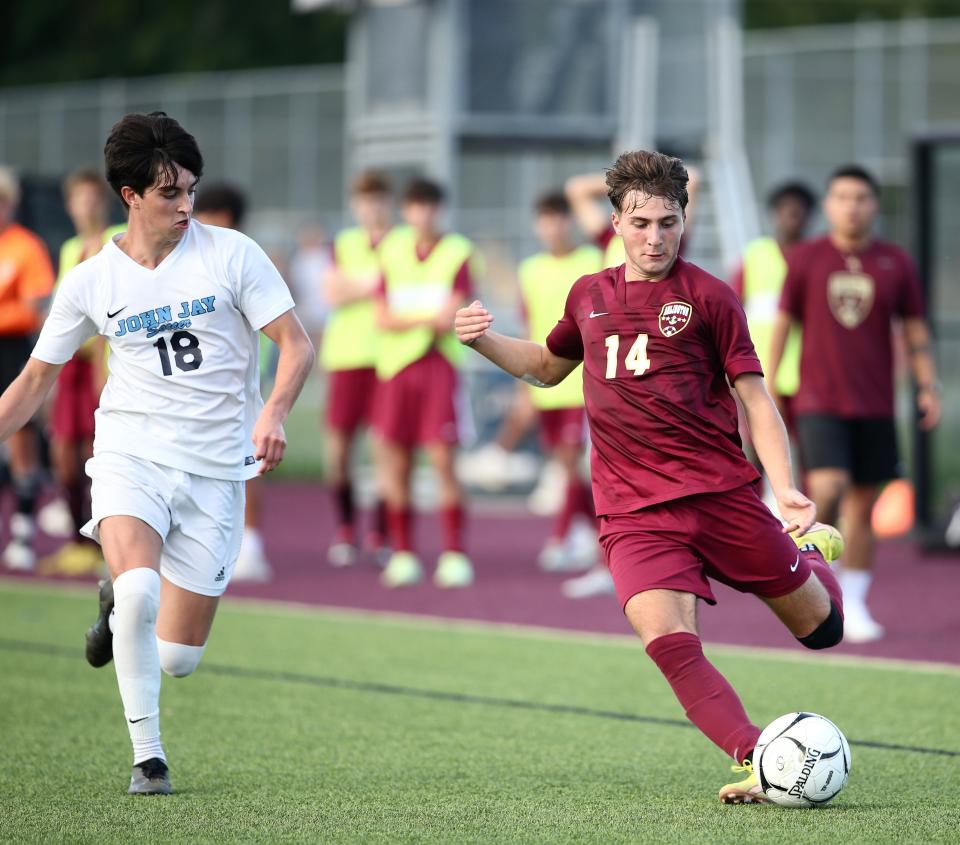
72, 559
403, 570
454, 570
827, 540
746, 791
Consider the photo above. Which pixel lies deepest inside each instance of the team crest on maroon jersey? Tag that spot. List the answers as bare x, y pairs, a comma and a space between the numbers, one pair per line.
674, 317
851, 296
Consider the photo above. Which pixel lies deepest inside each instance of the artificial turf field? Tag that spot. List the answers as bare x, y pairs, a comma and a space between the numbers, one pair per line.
322, 726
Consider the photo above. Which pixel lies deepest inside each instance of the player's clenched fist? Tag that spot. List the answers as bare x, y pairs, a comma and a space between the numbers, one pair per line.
797, 510
270, 442
472, 322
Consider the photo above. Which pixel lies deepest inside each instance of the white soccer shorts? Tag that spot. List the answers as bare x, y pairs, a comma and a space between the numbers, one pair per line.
199, 519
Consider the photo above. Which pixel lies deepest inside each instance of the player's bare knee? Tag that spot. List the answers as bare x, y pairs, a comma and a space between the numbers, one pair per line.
827, 634
179, 660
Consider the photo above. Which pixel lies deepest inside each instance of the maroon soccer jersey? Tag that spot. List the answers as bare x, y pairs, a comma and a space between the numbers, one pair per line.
845, 304
656, 359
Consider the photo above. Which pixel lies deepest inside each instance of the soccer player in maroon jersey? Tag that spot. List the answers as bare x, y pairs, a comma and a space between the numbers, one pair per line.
845, 289
660, 339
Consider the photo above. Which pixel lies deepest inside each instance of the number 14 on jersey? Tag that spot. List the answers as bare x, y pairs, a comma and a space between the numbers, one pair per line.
636, 360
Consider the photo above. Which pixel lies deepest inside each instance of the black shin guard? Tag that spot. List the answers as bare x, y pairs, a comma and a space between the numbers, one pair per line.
828, 634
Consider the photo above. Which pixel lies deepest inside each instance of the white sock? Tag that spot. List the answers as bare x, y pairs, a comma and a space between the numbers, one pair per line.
252, 543
855, 584
136, 596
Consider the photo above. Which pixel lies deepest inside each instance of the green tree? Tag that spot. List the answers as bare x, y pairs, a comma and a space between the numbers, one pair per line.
766, 14
59, 40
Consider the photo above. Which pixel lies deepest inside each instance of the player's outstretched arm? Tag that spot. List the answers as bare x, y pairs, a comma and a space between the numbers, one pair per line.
769, 437
523, 359
293, 366
24, 396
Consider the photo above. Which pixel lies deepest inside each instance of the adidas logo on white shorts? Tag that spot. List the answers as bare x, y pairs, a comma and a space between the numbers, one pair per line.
220, 575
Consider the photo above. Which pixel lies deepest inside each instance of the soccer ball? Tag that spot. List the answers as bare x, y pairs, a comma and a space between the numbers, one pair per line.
801, 760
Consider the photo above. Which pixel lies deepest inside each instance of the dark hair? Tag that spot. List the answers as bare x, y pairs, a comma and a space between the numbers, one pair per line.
423, 191
372, 182
855, 171
143, 150
84, 176
648, 173
791, 190
222, 196
552, 202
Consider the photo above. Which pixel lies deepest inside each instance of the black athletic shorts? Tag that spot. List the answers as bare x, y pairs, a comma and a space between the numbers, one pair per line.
866, 448
14, 353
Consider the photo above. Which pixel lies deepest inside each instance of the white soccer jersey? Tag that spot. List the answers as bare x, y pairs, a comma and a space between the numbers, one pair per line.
183, 389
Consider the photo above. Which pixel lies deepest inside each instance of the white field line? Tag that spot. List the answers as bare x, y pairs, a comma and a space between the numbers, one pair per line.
416, 620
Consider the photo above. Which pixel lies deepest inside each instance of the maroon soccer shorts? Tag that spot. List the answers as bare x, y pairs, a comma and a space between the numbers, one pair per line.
74, 403
418, 405
731, 537
562, 427
350, 399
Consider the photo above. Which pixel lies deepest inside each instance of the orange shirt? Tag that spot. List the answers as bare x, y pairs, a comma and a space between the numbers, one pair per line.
25, 274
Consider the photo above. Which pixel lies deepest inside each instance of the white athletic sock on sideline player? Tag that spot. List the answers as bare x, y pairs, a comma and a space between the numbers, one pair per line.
855, 584
136, 595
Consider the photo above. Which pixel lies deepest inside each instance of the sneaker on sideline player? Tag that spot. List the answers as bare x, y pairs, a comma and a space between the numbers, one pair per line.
181, 424
659, 339
844, 290
427, 276
348, 354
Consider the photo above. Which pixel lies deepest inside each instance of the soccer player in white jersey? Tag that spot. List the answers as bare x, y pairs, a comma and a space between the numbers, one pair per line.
181, 424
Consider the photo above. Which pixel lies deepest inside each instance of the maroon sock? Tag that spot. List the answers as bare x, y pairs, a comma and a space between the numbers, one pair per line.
77, 503
571, 506
585, 500
380, 518
823, 571
708, 699
452, 521
343, 503
398, 527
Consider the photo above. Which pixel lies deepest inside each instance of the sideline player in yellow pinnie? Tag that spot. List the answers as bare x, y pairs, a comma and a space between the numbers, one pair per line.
545, 281
349, 356
427, 276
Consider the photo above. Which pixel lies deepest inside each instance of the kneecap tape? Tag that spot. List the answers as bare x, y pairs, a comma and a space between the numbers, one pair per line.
179, 660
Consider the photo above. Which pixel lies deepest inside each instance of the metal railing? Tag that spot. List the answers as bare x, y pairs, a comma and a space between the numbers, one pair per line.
817, 97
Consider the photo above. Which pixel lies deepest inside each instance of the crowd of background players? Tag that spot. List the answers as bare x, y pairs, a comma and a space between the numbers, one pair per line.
379, 302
